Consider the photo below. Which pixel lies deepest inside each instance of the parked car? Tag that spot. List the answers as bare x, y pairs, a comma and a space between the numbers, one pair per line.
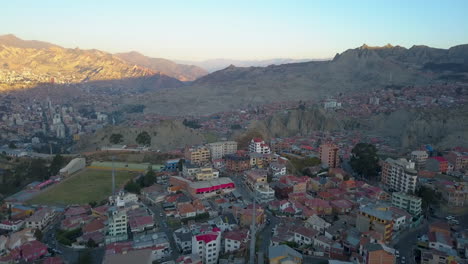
450, 217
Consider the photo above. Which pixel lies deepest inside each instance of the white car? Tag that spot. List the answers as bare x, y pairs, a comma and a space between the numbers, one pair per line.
397, 253
449, 217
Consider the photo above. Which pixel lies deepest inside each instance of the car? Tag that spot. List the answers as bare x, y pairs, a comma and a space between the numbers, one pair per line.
161, 215
397, 253
455, 222
449, 217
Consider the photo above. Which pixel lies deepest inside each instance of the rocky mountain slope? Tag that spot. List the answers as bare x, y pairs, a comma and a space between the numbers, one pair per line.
219, 64
181, 72
168, 135
406, 128
27, 63
361, 69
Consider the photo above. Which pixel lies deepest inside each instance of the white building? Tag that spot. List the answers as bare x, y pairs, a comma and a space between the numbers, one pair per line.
264, 193
399, 175
183, 240
412, 204
419, 157
277, 170
235, 240
40, 218
116, 225
219, 149
331, 104
11, 225
207, 245
73, 166
258, 145
317, 223
206, 174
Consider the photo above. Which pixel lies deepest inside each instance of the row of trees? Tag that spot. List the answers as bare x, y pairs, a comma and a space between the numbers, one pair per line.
144, 181
142, 138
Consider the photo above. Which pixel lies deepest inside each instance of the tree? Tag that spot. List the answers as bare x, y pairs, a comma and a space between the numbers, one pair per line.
38, 234
148, 179
428, 196
91, 243
57, 163
364, 160
235, 127
92, 204
132, 187
143, 139
116, 138
12, 145
180, 165
85, 258
39, 169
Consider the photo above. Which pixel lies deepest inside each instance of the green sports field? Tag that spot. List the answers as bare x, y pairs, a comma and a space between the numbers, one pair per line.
82, 188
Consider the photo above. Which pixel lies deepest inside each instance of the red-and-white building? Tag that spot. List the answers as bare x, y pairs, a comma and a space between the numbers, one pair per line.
210, 187
258, 145
207, 245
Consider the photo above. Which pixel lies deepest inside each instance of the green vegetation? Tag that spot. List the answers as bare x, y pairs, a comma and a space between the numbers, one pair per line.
38, 234
91, 243
302, 164
12, 145
133, 108
236, 127
191, 123
200, 217
429, 197
57, 163
85, 187
364, 160
68, 237
116, 138
132, 187
143, 139
85, 258
291, 244
210, 137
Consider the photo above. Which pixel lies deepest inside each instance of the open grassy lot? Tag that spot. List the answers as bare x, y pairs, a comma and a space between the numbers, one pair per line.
82, 188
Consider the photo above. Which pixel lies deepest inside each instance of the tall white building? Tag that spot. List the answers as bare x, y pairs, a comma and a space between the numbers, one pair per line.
116, 225
399, 175
419, 157
258, 145
207, 246
219, 149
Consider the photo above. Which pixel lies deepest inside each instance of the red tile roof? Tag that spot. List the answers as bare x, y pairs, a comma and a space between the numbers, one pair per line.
208, 237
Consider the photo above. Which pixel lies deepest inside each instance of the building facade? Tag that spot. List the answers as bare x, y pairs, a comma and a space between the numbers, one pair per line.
219, 149
412, 204
329, 155
399, 175
419, 157
207, 246
258, 145
197, 154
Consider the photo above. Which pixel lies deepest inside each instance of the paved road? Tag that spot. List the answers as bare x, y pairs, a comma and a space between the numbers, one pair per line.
161, 221
265, 234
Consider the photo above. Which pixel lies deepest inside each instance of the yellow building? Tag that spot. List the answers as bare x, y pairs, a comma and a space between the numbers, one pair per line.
379, 219
206, 174
283, 254
198, 154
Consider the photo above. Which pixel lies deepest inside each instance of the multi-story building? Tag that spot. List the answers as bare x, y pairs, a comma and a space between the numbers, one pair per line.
277, 170
207, 174
437, 164
235, 240
237, 163
329, 155
399, 175
207, 188
419, 157
219, 149
375, 218
207, 245
116, 225
264, 194
40, 218
456, 194
255, 178
190, 170
197, 154
258, 145
376, 254
283, 254
410, 203
458, 159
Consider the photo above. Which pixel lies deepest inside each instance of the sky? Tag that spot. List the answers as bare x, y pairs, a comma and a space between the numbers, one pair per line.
247, 30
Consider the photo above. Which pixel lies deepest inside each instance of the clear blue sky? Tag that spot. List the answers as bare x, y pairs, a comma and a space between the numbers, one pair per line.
199, 29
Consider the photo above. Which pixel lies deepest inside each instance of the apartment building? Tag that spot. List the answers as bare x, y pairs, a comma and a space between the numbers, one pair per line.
255, 178
328, 154
116, 225
419, 157
412, 204
197, 154
458, 159
207, 246
375, 218
399, 175
258, 145
219, 149
207, 174
40, 218
237, 163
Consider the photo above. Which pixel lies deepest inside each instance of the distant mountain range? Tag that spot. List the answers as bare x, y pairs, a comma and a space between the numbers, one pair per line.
361, 69
218, 64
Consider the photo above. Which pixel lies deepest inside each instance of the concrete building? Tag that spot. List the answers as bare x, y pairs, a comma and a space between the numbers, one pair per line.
399, 175
376, 218
116, 225
437, 164
40, 218
277, 170
264, 194
328, 154
458, 159
206, 174
255, 178
197, 154
207, 245
206, 188
237, 163
219, 149
258, 145
376, 254
419, 157
73, 166
412, 204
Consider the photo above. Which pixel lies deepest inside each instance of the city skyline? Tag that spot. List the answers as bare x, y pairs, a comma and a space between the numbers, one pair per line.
243, 31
